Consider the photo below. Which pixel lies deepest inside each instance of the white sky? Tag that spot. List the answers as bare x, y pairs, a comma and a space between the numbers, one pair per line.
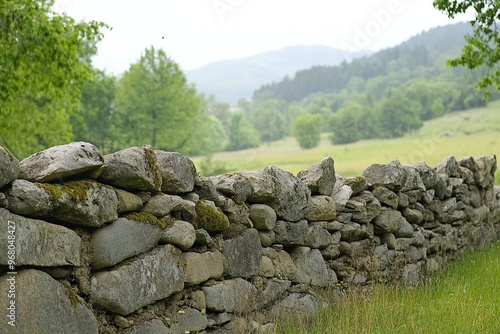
196, 32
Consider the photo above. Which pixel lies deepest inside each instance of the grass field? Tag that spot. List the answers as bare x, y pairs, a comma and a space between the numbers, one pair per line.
465, 298
473, 132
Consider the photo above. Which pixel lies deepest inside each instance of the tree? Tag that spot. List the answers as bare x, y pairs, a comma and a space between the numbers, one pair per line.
483, 46
45, 58
345, 124
242, 134
399, 115
307, 130
269, 116
156, 104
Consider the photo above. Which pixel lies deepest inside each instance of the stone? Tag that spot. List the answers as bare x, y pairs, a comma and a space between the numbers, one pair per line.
231, 296
38, 243
180, 233
392, 175
281, 264
297, 303
154, 326
43, 305
292, 197
486, 167
341, 194
127, 202
133, 169
427, 174
190, 320
390, 240
321, 208
311, 267
364, 207
163, 204
152, 276
411, 274
267, 238
210, 218
413, 180
449, 166
177, 172
330, 252
235, 186
405, 231
200, 267
262, 216
386, 196
9, 167
318, 237
265, 186
238, 214
389, 221
203, 238
354, 231
291, 234
413, 216
122, 239
205, 189
356, 183
319, 177
242, 254
60, 162
28, 199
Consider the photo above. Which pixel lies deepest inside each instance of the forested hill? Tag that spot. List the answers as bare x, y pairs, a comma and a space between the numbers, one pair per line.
421, 56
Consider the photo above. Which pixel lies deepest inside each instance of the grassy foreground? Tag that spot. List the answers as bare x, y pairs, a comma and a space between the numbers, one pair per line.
473, 132
465, 298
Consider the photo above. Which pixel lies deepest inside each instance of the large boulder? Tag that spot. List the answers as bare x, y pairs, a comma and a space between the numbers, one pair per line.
134, 169
60, 162
9, 167
39, 243
319, 177
43, 305
128, 287
177, 172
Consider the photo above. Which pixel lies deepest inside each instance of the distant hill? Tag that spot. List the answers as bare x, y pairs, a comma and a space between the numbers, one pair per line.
230, 80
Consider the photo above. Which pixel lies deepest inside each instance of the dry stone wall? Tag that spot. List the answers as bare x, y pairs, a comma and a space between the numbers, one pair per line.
137, 242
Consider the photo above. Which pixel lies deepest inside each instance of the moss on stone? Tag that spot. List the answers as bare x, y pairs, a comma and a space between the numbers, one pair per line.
209, 219
76, 190
152, 166
52, 190
72, 296
145, 217
9, 153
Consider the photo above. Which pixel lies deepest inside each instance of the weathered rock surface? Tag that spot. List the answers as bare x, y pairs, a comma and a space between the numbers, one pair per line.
60, 162
200, 267
28, 199
386, 196
181, 234
291, 234
133, 169
127, 202
209, 217
296, 303
392, 175
9, 167
38, 243
319, 177
163, 204
311, 268
237, 295
43, 305
190, 320
277, 263
235, 186
242, 254
322, 208
154, 326
262, 216
126, 288
122, 239
389, 221
177, 172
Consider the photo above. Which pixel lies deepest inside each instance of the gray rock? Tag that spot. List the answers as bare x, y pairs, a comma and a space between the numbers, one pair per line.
181, 234
235, 186
264, 186
354, 231
122, 239
210, 218
318, 237
291, 234
38, 243
243, 254
413, 216
413, 180
163, 204
154, 326
43, 305
404, 201
262, 216
364, 207
190, 320
449, 166
392, 175
203, 238
238, 214
296, 303
292, 196
280, 263
389, 239
405, 231
330, 252
151, 277
356, 183
134, 169
60, 162
386, 196
322, 208
427, 174
205, 189
319, 177
232, 296
28, 199
411, 274
389, 221
311, 267
486, 167
177, 172
267, 238
441, 186
341, 196
200, 267
9, 167
220, 318
127, 202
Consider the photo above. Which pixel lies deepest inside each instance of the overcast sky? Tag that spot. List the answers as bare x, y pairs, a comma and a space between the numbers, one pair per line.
196, 32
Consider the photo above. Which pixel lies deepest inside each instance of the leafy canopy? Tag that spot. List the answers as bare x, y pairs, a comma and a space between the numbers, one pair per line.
483, 46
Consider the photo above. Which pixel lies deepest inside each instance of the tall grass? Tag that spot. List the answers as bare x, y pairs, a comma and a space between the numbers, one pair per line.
464, 298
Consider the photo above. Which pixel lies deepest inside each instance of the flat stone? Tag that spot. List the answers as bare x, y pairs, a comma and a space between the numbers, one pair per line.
181, 234
133, 169
242, 254
60, 162
232, 296
151, 277
43, 305
122, 239
291, 234
154, 326
163, 204
318, 237
341, 194
200, 267
177, 172
39, 243
190, 320
386, 196
9, 167
319, 177
281, 264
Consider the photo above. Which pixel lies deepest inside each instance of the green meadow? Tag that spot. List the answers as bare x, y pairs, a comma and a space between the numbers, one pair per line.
473, 132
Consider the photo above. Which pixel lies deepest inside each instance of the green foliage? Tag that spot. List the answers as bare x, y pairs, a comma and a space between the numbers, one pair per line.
483, 46
210, 167
209, 218
269, 116
146, 218
242, 134
155, 104
45, 59
399, 115
307, 130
